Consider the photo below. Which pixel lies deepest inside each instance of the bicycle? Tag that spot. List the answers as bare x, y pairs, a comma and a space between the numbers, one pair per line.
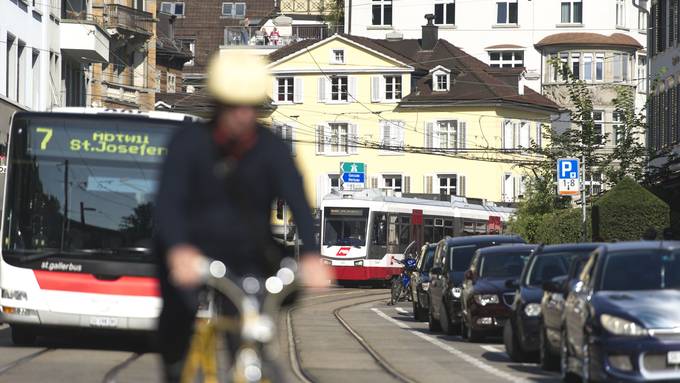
401, 285
258, 303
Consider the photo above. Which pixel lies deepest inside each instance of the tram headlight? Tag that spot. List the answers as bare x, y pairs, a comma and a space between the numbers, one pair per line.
358, 263
17, 295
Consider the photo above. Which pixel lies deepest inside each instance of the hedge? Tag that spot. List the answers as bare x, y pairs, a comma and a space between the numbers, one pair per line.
563, 226
628, 210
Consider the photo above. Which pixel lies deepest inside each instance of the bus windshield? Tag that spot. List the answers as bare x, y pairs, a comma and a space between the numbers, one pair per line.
83, 185
345, 226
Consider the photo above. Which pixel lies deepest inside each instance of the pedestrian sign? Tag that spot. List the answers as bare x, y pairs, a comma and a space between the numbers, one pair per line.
353, 172
568, 181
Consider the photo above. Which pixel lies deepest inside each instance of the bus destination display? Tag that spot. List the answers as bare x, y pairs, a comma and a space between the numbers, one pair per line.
106, 144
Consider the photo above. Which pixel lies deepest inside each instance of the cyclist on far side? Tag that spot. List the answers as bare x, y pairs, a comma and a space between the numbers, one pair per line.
219, 182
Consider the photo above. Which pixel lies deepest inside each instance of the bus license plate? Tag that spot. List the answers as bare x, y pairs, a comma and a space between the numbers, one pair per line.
674, 357
103, 322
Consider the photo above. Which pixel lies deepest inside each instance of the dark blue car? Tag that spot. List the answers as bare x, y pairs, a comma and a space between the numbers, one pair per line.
420, 282
521, 334
622, 319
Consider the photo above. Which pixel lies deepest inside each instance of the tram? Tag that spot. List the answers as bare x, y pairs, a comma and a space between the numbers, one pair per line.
364, 233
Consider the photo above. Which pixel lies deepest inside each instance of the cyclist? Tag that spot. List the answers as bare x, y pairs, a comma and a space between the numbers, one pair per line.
217, 188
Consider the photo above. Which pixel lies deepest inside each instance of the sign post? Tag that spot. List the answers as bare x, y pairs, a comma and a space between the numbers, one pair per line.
353, 173
568, 181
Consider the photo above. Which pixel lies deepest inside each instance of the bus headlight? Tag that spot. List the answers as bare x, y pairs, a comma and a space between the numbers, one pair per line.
456, 292
17, 295
532, 310
358, 263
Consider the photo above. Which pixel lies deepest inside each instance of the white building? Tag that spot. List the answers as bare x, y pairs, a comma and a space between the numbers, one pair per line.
504, 33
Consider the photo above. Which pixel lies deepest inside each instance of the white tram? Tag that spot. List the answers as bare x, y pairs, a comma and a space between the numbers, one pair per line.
363, 233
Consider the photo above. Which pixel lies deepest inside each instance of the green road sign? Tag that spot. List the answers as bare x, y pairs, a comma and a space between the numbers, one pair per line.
353, 167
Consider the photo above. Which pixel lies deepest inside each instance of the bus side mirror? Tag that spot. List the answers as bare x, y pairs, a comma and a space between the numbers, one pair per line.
3, 150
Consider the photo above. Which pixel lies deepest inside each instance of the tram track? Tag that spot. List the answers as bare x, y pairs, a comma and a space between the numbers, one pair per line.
294, 352
23, 360
112, 374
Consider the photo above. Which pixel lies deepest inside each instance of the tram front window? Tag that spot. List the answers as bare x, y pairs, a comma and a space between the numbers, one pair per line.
345, 227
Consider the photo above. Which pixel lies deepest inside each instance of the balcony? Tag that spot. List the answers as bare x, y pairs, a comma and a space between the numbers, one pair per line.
129, 21
304, 7
83, 38
261, 39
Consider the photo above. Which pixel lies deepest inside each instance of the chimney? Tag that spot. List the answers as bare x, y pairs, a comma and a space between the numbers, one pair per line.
521, 82
171, 28
430, 34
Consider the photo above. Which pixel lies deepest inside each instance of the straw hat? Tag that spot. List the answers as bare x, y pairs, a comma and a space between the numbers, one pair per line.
238, 78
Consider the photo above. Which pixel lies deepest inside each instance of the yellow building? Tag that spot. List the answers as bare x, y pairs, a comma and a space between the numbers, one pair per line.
422, 115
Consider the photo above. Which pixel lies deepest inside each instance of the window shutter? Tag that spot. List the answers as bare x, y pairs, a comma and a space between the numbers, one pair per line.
462, 134
374, 182
375, 89
298, 91
385, 133
406, 184
320, 139
436, 142
322, 89
353, 138
290, 135
429, 132
353, 97
401, 132
322, 187
539, 135
327, 136
275, 90
515, 135
503, 144
503, 196
461, 186
427, 184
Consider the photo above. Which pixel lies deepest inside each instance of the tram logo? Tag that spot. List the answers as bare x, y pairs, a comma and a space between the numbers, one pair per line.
343, 252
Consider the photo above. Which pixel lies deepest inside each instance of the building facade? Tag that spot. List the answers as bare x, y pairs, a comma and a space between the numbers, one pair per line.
446, 124
171, 56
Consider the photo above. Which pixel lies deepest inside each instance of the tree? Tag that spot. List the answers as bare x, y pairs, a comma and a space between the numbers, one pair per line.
334, 13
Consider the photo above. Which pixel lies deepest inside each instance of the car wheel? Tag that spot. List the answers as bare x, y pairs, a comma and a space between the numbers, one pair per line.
432, 323
549, 361
567, 375
447, 326
23, 336
512, 345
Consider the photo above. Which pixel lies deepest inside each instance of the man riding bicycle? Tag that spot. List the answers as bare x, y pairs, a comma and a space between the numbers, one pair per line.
219, 182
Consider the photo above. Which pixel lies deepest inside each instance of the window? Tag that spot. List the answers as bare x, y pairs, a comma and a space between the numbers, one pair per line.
598, 124
286, 133
334, 180
620, 13
173, 8
508, 136
339, 90
338, 56
621, 67
617, 127
445, 12
448, 134
392, 182
392, 88
35, 67
642, 21
448, 184
524, 134
236, 10
189, 45
21, 73
588, 67
642, 74
564, 60
158, 81
392, 135
508, 188
572, 12
284, 89
441, 82
171, 83
506, 59
12, 67
506, 12
336, 138
599, 67
382, 12
576, 65
594, 182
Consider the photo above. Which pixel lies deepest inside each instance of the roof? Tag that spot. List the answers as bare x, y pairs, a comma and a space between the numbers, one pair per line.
508, 249
472, 83
589, 39
505, 46
475, 239
586, 246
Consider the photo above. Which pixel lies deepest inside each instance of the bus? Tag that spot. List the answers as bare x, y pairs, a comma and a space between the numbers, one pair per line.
365, 233
77, 219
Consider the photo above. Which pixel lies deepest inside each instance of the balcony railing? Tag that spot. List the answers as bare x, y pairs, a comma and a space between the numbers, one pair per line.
84, 17
130, 19
312, 7
254, 36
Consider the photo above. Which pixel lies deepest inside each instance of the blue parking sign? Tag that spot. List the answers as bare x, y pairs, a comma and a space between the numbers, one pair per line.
568, 182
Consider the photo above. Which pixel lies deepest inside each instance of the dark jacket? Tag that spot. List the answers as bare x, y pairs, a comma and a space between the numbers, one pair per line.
224, 208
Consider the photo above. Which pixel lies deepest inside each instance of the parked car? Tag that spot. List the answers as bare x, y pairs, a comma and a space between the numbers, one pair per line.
452, 258
623, 315
420, 282
555, 293
489, 289
521, 334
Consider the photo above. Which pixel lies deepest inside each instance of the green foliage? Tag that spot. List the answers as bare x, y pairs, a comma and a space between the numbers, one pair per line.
629, 156
628, 210
540, 199
334, 13
562, 226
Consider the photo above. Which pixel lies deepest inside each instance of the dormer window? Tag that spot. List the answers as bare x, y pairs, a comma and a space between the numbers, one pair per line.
441, 78
337, 56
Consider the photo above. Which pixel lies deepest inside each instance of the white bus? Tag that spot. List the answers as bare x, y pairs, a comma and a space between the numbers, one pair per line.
363, 233
77, 221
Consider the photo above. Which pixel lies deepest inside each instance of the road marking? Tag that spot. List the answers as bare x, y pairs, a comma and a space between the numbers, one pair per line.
452, 350
399, 309
491, 348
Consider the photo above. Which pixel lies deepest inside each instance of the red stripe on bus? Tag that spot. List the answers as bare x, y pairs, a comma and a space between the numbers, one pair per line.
361, 273
87, 283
